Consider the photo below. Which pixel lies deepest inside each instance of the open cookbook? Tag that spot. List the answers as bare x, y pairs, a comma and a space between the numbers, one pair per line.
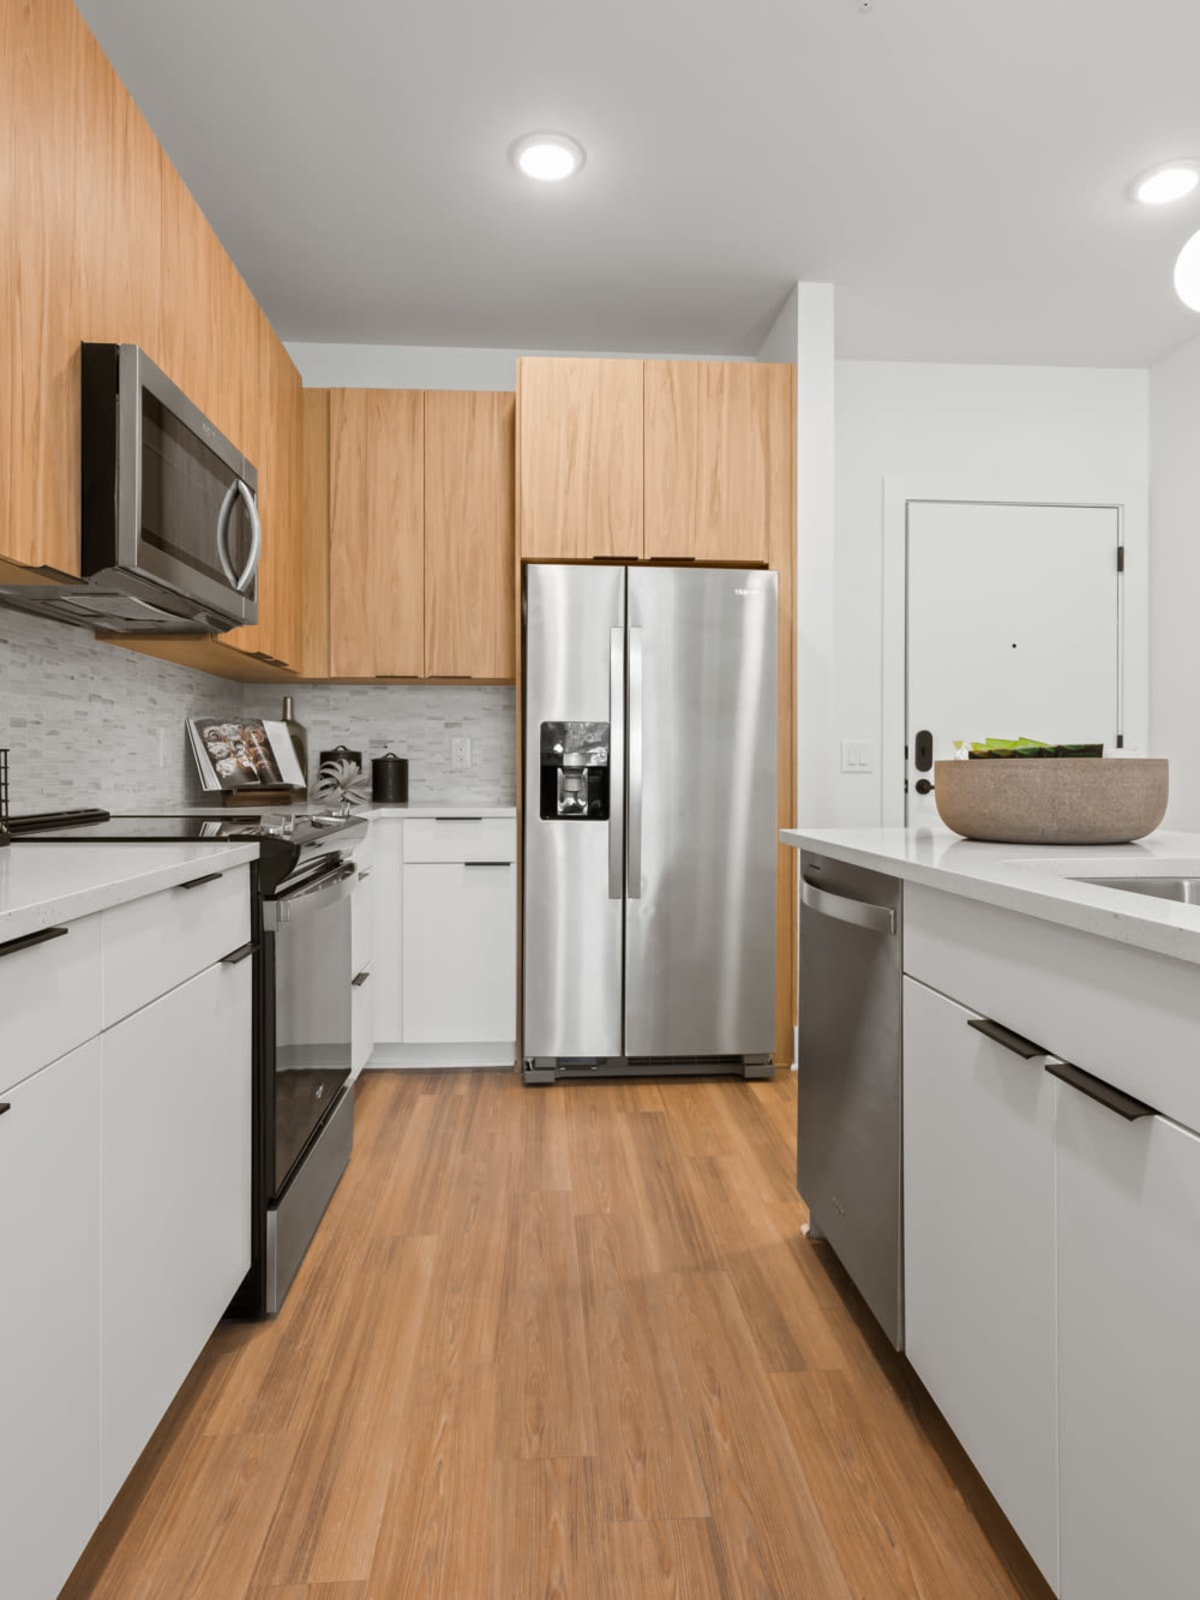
244, 753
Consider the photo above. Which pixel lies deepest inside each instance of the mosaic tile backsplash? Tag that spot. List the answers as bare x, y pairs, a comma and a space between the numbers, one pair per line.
413, 721
91, 724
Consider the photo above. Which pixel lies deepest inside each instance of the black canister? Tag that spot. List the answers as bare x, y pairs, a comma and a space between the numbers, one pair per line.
389, 780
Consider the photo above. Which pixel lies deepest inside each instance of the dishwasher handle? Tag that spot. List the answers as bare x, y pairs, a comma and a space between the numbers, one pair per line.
858, 913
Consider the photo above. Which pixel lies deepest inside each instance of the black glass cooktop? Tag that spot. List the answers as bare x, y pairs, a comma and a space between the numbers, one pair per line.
99, 827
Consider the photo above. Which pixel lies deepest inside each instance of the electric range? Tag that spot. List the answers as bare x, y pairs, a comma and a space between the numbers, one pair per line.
303, 1125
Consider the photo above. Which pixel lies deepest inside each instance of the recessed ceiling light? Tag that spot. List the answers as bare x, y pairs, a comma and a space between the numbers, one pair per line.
1161, 185
548, 157
1187, 274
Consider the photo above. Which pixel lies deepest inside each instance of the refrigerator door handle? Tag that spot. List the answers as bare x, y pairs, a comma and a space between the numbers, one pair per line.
616, 764
635, 764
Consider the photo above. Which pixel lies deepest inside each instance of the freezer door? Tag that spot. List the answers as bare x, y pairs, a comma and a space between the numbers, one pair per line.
700, 912
573, 920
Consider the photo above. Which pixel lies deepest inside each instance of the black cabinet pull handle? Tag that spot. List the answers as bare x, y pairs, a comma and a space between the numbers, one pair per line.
1102, 1093
209, 877
240, 954
1025, 1048
4, 1106
458, 819
487, 863
362, 977
27, 942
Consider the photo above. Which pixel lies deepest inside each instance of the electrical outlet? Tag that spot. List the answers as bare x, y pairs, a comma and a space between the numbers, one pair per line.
162, 747
460, 753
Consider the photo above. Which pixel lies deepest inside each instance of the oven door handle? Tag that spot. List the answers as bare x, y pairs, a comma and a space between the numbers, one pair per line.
314, 897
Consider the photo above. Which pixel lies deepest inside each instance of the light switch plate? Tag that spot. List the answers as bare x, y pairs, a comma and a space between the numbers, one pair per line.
858, 755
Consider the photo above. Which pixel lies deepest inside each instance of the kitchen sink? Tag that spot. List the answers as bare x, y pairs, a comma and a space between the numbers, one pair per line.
1186, 891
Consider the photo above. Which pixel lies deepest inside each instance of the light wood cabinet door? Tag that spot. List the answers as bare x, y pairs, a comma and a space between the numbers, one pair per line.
469, 552
377, 533
43, 49
979, 1253
579, 459
1128, 1312
50, 1323
314, 533
191, 274
720, 453
274, 446
119, 212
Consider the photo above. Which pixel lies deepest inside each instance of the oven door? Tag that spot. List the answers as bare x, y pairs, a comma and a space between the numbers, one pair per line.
308, 930
187, 498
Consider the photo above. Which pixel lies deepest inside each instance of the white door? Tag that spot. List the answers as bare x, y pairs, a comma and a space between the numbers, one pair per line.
1129, 1325
979, 1251
1013, 630
49, 1323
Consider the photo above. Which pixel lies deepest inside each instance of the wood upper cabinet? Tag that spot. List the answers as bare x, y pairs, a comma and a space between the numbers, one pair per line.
377, 533
720, 454
313, 487
273, 443
579, 458
469, 551
43, 63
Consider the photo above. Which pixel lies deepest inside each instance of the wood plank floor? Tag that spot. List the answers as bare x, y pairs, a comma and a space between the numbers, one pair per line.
563, 1342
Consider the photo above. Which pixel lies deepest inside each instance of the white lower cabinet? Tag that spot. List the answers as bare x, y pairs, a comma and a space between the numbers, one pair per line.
1129, 1344
460, 975
979, 1253
176, 1197
49, 1323
387, 905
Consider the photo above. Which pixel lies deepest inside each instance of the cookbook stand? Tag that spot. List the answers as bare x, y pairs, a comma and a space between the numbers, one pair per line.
262, 799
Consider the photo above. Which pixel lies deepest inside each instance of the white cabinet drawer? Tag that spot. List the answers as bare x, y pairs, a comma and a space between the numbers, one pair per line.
1125, 1015
49, 996
175, 1211
155, 944
461, 839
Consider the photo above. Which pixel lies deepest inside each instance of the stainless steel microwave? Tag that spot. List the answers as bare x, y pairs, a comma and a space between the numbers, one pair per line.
170, 535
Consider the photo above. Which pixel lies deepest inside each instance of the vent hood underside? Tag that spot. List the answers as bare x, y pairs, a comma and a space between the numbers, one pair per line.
108, 608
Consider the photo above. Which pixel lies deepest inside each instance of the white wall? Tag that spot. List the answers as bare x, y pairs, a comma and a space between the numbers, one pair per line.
995, 432
1175, 577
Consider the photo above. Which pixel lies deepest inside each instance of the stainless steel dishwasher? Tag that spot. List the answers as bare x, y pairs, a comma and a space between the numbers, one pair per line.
848, 1139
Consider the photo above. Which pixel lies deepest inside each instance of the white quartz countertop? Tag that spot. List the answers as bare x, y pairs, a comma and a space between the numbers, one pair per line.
363, 808
43, 884
380, 813
1037, 880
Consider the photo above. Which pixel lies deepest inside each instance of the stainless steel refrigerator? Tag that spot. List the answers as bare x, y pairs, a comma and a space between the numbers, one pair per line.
649, 859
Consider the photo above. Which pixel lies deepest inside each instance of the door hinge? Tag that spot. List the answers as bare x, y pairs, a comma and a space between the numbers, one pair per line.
1120, 558
906, 752
1120, 741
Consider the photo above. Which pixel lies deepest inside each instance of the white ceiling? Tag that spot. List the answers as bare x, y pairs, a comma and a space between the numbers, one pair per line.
958, 168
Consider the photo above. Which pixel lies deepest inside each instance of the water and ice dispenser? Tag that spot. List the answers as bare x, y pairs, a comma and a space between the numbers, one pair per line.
575, 771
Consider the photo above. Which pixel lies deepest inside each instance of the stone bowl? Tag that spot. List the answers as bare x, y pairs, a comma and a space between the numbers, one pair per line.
1069, 800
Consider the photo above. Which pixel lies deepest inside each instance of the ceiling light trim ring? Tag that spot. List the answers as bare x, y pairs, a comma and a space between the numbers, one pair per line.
557, 155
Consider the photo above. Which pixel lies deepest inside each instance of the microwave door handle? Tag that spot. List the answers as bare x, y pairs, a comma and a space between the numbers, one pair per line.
252, 559
223, 531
